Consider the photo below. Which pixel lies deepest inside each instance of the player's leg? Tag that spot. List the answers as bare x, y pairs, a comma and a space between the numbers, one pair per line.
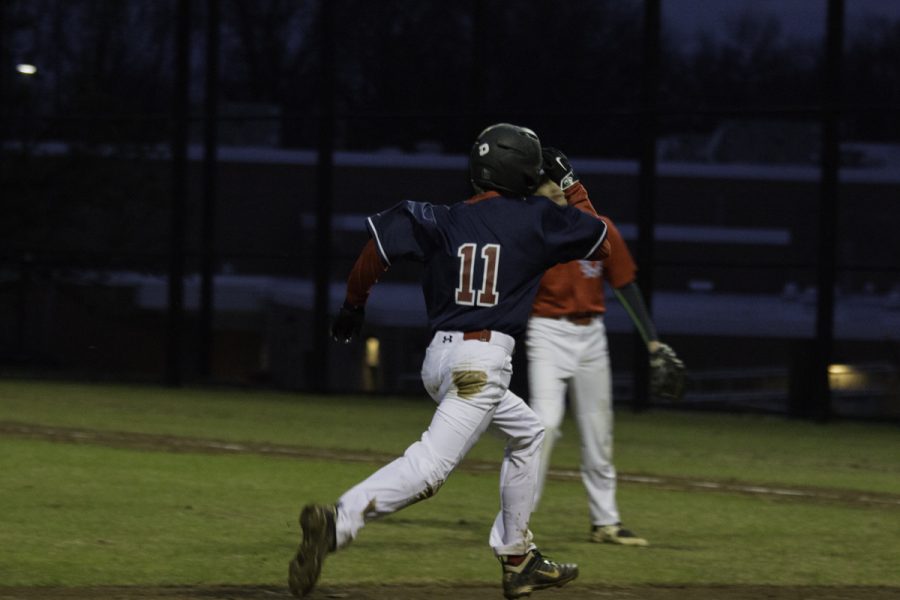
524, 435
420, 472
472, 377
478, 376
550, 364
524, 568
415, 476
592, 408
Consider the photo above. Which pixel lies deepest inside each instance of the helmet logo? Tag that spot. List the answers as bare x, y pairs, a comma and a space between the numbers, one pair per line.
483, 149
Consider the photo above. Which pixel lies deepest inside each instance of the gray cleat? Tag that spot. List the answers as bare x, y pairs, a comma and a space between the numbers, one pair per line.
317, 522
535, 573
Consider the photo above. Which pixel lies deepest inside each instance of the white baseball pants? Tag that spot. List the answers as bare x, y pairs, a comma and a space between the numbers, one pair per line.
564, 356
469, 380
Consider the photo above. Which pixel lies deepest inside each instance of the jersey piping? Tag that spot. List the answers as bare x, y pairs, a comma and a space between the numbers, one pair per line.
381, 251
597, 245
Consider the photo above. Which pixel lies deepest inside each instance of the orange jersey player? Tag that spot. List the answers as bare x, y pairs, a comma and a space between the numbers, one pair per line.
567, 351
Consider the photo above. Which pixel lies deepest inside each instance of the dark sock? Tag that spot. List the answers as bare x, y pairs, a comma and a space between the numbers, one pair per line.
515, 559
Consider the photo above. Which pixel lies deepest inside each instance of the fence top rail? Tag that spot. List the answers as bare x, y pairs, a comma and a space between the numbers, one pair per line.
886, 173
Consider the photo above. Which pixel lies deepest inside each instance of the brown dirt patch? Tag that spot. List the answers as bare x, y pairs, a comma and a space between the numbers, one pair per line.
167, 443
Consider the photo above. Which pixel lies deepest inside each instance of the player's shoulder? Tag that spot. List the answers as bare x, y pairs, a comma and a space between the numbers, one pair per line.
542, 204
422, 212
540, 201
611, 228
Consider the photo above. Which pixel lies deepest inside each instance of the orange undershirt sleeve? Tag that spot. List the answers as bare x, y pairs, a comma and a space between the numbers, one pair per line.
365, 273
577, 197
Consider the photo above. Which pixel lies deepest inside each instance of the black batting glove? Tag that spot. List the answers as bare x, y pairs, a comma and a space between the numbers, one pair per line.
558, 169
348, 323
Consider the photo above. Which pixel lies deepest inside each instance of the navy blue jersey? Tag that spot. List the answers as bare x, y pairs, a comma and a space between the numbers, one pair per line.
484, 259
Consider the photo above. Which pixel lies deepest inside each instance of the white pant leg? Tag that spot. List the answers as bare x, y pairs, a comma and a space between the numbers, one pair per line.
510, 533
469, 380
551, 362
591, 395
420, 472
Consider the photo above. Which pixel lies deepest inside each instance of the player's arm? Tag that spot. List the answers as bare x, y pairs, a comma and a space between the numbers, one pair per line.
558, 169
600, 252
571, 235
632, 300
667, 372
577, 197
364, 274
403, 232
620, 272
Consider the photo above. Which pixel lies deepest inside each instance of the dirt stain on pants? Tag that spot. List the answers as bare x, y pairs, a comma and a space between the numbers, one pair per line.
469, 383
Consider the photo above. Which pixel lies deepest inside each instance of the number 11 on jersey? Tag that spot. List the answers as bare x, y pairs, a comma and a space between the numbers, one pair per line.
487, 295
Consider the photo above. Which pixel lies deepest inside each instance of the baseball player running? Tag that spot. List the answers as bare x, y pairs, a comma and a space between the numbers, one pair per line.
567, 348
483, 259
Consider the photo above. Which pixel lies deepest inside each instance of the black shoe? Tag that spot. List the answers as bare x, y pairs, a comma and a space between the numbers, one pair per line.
317, 523
535, 573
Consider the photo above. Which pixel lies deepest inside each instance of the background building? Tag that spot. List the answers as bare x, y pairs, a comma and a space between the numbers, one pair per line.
185, 182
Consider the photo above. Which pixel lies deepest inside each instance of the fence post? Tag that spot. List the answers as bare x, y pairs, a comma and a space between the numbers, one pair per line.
320, 362
826, 264
208, 211
180, 106
646, 217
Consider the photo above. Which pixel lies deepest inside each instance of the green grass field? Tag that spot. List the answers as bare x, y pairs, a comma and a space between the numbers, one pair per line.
79, 514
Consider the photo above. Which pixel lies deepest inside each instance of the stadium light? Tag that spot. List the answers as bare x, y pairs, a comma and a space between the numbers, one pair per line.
371, 363
26, 69
373, 352
846, 377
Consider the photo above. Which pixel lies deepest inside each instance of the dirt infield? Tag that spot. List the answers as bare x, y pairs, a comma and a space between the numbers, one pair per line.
393, 592
167, 443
